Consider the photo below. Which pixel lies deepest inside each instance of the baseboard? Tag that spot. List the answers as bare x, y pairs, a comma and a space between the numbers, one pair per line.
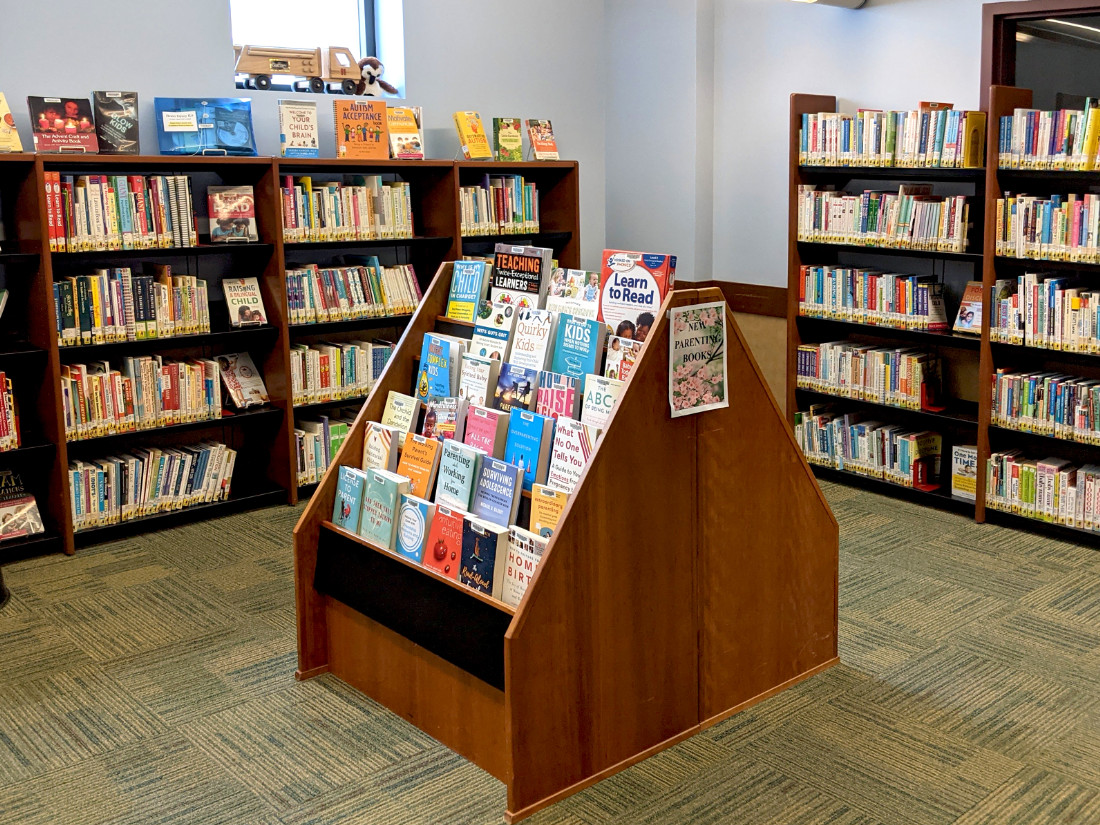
303, 675
752, 299
767, 694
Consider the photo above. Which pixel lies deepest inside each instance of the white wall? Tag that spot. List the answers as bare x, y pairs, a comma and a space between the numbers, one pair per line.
456, 57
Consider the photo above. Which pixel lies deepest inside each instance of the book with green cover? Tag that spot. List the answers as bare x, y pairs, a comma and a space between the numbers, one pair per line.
507, 138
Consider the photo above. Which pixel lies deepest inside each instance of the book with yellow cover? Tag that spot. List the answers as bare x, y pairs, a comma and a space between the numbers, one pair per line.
547, 505
361, 130
471, 134
9, 137
406, 140
419, 463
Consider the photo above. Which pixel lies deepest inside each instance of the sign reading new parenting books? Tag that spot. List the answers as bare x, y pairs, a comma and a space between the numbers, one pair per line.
698, 379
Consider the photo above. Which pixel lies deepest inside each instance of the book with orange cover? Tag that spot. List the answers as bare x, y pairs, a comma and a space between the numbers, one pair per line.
419, 463
361, 129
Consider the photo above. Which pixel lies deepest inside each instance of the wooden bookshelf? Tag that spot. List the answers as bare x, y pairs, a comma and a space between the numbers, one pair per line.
266, 469
651, 616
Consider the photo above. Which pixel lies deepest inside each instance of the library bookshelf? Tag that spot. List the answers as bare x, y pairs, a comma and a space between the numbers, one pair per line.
264, 438
694, 573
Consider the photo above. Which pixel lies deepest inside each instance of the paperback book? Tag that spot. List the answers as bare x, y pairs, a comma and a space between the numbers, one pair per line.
969, 318
558, 395
361, 130
232, 214
19, 514
243, 302
600, 395
620, 358
525, 550
516, 388
544, 146
570, 454
520, 276
534, 339
382, 446
298, 129
487, 430
459, 465
632, 287
547, 505
443, 548
574, 292
419, 463
484, 546
401, 411
381, 496
530, 437
469, 285
440, 362
578, 346
471, 136
348, 504
61, 124
414, 521
9, 135
478, 379
493, 329
116, 122
508, 139
497, 492
406, 139
444, 418
242, 380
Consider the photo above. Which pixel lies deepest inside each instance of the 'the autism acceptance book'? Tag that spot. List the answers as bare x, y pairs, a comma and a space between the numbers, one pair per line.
361, 129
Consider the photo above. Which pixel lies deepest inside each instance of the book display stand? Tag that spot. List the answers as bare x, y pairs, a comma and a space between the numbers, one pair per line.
694, 573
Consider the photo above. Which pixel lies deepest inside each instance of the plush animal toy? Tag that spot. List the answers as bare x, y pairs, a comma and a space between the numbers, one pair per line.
371, 81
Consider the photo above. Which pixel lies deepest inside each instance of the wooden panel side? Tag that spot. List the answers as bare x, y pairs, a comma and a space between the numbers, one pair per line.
601, 659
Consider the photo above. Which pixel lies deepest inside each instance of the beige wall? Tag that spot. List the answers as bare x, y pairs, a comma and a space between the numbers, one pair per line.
767, 338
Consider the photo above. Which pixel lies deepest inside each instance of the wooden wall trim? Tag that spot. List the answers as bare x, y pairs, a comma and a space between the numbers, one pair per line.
752, 299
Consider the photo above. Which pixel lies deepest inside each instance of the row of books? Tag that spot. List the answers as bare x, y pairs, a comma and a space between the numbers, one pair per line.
334, 371
871, 296
1053, 228
907, 378
1061, 140
149, 480
855, 443
10, 438
116, 305
933, 136
1047, 312
1048, 403
146, 392
367, 209
316, 294
500, 204
316, 444
911, 218
1050, 489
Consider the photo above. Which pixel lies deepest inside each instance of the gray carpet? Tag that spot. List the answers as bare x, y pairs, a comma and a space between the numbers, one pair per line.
151, 681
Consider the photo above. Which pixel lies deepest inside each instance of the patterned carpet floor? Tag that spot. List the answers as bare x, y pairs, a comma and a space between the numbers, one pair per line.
151, 681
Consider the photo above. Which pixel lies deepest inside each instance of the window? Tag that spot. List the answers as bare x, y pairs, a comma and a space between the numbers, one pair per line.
356, 28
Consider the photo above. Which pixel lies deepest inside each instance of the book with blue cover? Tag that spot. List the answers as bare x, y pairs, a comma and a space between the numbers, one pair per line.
440, 362
516, 387
196, 126
349, 499
497, 492
530, 437
414, 520
578, 346
458, 471
484, 552
469, 284
378, 522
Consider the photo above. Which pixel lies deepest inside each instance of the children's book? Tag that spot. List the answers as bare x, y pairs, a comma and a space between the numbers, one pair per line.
414, 521
361, 130
419, 463
533, 340
232, 214
243, 302
530, 437
9, 136
401, 411
298, 129
543, 144
381, 496
348, 504
60, 124
443, 548
525, 550
478, 379
406, 138
516, 387
574, 292
471, 136
382, 446
484, 548
570, 454
600, 395
632, 287
116, 122
497, 492
578, 346
520, 276
547, 505
486, 429
493, 329
459, 465
558, 395
469, 285
507, 138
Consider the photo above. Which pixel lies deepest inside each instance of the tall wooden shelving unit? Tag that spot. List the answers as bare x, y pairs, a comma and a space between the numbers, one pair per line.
694, 573
266, 468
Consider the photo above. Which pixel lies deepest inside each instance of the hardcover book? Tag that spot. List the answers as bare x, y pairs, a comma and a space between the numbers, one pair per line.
533, 339
530, 437
382, 446
471, 136
243, 302
570, 454
621, 355
469, 285
547, 505
458, 470
969, 319
484, 547
525, 550
381, 496
507, 138
9, 136
600, 395
486, 429
444, 418
401, 411
19, 514
406, 140
348, 504
516, 387
440, 361
419, 463
361, 130
497, 492
632, 287
558, 395
61, 124
242, 380
478, 379
298, 129
578, 348
520, 276
574, 292
414, 521
493, 329
232, 214
543, 144
191, 125
116, 122
443, 549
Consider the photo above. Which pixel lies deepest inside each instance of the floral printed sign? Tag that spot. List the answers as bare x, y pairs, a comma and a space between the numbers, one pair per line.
697, 375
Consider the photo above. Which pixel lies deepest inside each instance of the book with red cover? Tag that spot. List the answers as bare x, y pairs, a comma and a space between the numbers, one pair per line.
60, 124
443, 548
632, 287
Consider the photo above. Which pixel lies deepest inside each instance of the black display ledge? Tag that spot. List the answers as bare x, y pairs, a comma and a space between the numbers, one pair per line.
923, 336
940, 498
958, 413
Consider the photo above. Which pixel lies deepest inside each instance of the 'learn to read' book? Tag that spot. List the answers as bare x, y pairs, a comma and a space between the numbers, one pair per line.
969, 318
632, 287
621, 355
9, 137
361, 130
382, 446
558, 395
443, 549
192, 125
572, 448
242, 380
298, 129
497, 492
520, 276
530, 437
493, 329
116, 122
478, 379
484, 549
459, 465
547, 505
525, 551
578, 348
600, 395
486, 429
533, 339
419, 463
243, 302
61, 124
414, 521
232, 214
19, 514
574, 292
406, 140
543, 144
381, 496
472, 137
348, 504
440, 362
516, 387
507, 138
469, 285
401, 411
444, 418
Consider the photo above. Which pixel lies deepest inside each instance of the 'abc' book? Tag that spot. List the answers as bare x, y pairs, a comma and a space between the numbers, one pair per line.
381, 497
348, 505
361, 129
520, 276
486, 429
243, 302
458, 470
497, 492
632, 286
419, 463
600, 395
530, 436
493, 330
547, 505
516, 387
578, 349
570, 454
443, 549
558, 395
525, 551
382, 446
484, 547
414, 520
469, 286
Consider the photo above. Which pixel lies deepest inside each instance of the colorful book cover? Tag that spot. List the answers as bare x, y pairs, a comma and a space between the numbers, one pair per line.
969, 318
419, 463
381, 497
414, 521
440, 361
632, 287
525, 551
516, 387
401, 411
444, 418
232, 214
443, 549
298, 129
486, 429
243, 302
558, 395
242, 380
478, 379
348, 503
19, 514
61, 124
533, 339
116, 122
406, 140
600, 395
361, 130
520, 275
469, 285
9, 136
458, 470
382, 446
497, 492
508, 139
191, 125
570, 454
471, 136
493, 329
578, 346
547, 505
544, 145
964, 471
530, 437
698, 379
484, 547
621, 355
574, 292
